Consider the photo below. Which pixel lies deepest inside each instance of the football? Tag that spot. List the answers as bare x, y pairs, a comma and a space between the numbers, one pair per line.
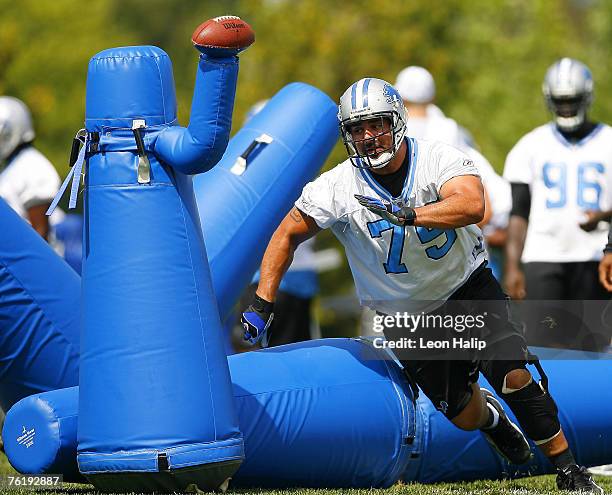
228, 33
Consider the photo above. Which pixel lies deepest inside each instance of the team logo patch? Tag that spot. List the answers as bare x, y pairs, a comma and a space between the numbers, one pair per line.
391, 94
443, 406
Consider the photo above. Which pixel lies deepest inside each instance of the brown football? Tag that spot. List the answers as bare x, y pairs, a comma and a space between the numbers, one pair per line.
228, 31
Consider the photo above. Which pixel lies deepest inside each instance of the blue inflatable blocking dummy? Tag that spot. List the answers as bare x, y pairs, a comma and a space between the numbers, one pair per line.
39, 314
254, 203
244, 198
156, 410
330, 414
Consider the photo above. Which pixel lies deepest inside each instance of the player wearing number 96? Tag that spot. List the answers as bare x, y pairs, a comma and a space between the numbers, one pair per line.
561, 179
405, 211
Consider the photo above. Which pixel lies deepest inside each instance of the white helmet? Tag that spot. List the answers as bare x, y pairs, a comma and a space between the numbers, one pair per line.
369, 99
416, 85
15, 125
568, 91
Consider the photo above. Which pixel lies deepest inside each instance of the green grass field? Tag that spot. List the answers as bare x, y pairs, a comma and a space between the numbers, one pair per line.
526, 486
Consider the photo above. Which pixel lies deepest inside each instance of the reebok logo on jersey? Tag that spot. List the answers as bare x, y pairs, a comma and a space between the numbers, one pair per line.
468, 163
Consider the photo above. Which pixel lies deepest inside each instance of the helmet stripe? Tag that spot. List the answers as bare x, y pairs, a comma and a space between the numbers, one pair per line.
354, 96
364, 95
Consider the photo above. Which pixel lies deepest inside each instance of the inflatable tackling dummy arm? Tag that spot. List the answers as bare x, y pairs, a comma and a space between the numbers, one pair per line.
199, 147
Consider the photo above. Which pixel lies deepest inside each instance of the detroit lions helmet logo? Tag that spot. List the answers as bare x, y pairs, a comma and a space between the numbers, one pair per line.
391, 95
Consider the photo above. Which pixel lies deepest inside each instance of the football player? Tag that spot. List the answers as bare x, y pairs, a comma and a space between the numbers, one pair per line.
405, 211
28, 181
561, 180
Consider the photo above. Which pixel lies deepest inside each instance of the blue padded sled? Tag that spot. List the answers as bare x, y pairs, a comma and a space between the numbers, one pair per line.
330, 416
156, 410
39, 313
324, 413
266, 165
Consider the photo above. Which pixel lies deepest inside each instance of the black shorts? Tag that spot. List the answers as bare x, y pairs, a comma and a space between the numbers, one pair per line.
558, 318
448, 382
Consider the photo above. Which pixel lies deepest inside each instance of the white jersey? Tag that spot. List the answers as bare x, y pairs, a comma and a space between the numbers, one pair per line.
28, 180
565, 181
436, 127
498, 190
398, 269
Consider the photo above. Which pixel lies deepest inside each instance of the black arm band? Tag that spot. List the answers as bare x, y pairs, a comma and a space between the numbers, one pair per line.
521, 200
262, 305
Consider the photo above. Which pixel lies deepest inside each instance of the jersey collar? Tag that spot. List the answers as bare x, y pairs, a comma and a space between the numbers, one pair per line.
411, 154
560, 137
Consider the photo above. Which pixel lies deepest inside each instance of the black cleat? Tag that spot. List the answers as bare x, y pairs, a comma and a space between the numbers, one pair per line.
577, 478
506, 438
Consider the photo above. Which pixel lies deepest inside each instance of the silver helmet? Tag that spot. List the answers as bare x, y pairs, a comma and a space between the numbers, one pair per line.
369, 99
15, 125
568, 91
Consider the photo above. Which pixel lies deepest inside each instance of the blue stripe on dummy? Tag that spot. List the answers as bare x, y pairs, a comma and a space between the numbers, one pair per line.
364, 94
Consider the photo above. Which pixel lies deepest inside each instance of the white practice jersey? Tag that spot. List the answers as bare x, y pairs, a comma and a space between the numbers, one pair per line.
28, 180
398, 269
565, 180
498, 189
436, 127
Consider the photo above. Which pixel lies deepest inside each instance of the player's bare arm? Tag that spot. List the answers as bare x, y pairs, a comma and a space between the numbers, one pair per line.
605, 271
38, 219
462, 204
295, 228
514, 277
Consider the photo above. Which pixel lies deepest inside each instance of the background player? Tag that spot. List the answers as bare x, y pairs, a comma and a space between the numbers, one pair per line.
405, 211
561, 179
28, 181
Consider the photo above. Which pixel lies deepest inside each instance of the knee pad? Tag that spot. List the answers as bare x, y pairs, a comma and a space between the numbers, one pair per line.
536, 412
